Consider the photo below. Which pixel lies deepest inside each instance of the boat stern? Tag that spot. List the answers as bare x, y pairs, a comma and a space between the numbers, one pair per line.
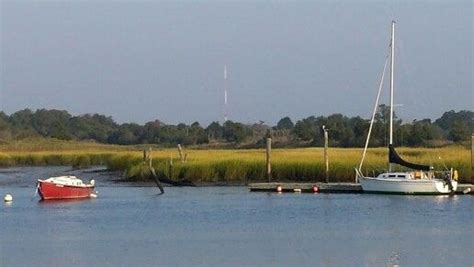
444, 187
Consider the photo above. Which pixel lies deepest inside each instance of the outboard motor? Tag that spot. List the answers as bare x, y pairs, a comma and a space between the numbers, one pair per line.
448, 179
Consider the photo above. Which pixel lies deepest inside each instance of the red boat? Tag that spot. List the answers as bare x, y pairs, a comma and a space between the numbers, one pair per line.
65, 187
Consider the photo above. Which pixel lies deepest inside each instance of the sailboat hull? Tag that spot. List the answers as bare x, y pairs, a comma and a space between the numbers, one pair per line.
406, 186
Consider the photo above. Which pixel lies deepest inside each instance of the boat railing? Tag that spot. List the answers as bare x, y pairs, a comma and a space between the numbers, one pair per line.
447, 175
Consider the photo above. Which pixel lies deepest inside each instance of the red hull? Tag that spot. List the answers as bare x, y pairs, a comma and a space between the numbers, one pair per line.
57, 191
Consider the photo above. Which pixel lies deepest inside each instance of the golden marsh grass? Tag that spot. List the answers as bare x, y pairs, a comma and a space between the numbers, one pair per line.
299, 164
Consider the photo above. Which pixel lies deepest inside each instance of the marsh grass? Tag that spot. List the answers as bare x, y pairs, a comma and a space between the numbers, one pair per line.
300, 164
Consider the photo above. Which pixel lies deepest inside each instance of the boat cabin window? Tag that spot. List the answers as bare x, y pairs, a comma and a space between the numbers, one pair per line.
401, 176
392, 175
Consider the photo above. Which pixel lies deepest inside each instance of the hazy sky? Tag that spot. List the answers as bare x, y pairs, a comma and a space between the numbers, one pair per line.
144, 60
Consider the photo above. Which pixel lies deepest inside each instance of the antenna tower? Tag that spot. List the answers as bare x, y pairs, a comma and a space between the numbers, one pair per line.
225, 94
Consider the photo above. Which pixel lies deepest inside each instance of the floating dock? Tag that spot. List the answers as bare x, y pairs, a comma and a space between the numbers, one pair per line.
348, 188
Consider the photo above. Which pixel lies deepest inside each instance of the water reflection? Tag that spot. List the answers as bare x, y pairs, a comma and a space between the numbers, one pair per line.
63, 202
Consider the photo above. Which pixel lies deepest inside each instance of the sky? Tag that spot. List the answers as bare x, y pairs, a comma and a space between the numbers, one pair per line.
139, 61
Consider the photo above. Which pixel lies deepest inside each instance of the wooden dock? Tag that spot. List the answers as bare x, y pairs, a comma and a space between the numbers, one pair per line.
328, 187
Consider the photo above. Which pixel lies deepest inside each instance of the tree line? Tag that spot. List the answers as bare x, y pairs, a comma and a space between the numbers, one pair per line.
451, 127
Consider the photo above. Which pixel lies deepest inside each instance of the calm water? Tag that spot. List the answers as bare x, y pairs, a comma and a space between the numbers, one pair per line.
229, 226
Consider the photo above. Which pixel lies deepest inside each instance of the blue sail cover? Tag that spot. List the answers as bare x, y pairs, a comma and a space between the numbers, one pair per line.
393, 157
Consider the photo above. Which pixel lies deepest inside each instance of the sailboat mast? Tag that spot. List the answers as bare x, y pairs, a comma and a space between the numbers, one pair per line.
392, 45
391, 81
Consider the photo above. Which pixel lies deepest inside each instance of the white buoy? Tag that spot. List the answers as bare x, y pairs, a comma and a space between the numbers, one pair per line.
297, 190
8, 198
467, 190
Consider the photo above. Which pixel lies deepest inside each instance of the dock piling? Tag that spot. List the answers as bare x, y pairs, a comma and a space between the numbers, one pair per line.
180, 151
326, 160
269, 159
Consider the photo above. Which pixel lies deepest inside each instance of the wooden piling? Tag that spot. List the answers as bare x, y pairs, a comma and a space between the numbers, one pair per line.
170, 170
269, 159
149, 159
326, 160
152, 170
180, 151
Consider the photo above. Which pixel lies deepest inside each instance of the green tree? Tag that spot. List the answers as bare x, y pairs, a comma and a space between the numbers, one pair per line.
214, 130
52, 123
381, 127
360, 128
285, 123
306, 129
22, 124
459, 132
5, 127
457, 125
96, 127
126, 134
197, 134
235, 132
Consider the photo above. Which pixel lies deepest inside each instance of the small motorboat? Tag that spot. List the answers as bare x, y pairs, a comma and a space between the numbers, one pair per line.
65, 187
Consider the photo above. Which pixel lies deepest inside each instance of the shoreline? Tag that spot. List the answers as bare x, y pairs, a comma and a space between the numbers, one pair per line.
26, 176
236, 167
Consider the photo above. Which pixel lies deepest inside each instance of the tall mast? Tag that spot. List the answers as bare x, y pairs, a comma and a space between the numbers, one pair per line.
392, 45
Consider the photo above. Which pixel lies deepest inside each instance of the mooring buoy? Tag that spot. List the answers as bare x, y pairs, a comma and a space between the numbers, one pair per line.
8, 198
315, 189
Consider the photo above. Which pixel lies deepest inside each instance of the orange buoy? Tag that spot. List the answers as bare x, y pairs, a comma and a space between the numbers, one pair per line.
279, 189
315, 189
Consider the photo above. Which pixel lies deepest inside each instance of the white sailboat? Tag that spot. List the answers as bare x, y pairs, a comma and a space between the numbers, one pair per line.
422, 179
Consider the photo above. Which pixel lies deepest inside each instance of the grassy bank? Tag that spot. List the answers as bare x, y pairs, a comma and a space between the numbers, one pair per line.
302, 164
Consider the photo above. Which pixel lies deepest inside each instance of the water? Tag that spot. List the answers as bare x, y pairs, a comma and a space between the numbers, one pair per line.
228, 226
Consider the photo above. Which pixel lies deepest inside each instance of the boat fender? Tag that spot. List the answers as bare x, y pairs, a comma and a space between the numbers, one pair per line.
92, 182
279, 189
